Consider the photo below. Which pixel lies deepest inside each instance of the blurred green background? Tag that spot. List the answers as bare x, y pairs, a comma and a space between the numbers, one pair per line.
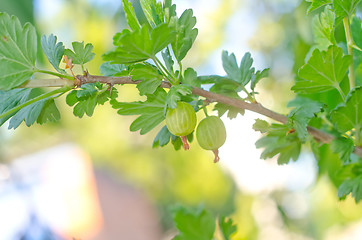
278, 34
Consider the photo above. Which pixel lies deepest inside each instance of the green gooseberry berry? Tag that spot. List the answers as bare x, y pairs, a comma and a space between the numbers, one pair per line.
181, 121
211, 134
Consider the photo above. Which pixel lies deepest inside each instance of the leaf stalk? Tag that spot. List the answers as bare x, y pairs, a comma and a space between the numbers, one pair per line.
54, 74
164, 70
341, 92
349, 39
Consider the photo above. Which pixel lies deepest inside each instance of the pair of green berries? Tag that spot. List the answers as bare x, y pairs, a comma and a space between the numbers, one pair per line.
210, 133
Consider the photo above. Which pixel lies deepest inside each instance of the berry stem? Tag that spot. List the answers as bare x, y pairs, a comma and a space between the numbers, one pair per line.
216, 153
184, 142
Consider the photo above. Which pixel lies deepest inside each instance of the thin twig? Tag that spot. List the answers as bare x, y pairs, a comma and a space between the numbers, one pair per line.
54, 82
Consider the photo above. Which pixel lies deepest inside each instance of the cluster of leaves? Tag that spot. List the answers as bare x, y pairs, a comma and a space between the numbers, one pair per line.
237, 79
136, 54
151, 53
88, 96
199, 224
327, 70
137, 49
18, 48
164, 32
353, 182
277, 140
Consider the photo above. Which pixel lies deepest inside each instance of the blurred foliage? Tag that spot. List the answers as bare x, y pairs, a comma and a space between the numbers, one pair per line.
2, 146
23, 9
212, 31
283, 37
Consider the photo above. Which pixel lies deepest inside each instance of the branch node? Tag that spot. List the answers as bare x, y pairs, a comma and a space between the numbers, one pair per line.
110, 87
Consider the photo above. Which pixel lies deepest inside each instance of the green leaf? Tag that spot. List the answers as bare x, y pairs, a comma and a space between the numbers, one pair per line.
246, 71
344, 147
50, 112
356, 31
328, 162
88, 97
232, 111
10, 99
175, 93
151, 111
41, 111
153, 11
140, 45
242, 74
81, 54
176, 141
169, 10
88, 90
353, 186
28, 114
344, 8
349, 115
148, 86
186, 33
300, 101
167, 58
323, 71
190, 78
227, 227
317, 4
323, 29
18, 50
221, 85
231, 66
258, 76
261, 125
162, 138
210, 79
278, 141
150, 78
130, 15
108, 69
53, 50
195, 224
299, 118
225, 86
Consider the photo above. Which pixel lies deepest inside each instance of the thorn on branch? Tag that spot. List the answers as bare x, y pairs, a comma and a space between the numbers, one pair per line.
80, 80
